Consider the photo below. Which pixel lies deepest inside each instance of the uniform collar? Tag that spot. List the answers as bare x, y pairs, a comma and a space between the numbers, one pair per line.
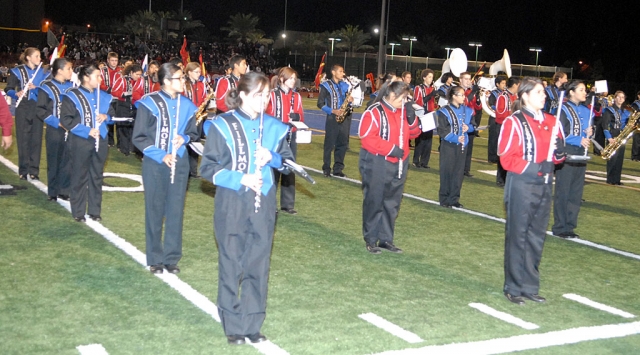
242, 113
537, 116
388, 106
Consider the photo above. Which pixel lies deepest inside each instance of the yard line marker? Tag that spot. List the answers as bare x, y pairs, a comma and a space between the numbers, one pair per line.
503, 316
498, 219
597, 305
527, 341
391, 328
188, 292
92, 349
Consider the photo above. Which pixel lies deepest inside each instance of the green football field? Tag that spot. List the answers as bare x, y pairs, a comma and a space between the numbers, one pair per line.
65, 284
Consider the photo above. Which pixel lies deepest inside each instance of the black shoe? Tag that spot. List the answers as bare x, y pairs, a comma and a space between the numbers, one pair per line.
327, 174
156, 269
425, 166
23, 177
467, 174
257, 338
340, 174
390, 247
289, 210
534, 298
514, 299
235, 339
79, 219
191, 176
373, 249
458, 205
445, 205
500, 184
620, 184
52, 198
564, 235
34, 177
64, 197
574, 235
416, 165
172, 269
96, 218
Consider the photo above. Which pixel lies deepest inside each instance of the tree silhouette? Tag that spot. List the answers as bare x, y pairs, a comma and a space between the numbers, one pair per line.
242, 26
353, 39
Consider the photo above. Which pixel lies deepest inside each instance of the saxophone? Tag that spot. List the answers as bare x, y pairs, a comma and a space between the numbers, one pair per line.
346, 107
621, 139
201, 114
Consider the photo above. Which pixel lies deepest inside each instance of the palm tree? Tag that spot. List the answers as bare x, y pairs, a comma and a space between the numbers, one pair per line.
309, 42
142, 23
353, 39
241, 26
259, 38
429, 44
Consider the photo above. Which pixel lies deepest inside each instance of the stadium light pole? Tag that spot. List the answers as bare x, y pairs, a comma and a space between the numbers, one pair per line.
393, 46
477, 45
448, 49
284, 31
382, 48
537, 50
332, 42
411, 40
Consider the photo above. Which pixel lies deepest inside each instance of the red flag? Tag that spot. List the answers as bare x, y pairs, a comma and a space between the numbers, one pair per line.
373, 82
61, 47
204, 70
184, 53
320, 70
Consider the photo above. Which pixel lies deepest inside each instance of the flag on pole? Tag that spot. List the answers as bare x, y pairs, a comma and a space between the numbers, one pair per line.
204, 70
184, 53
320, 70
145, 63
52, 41
62, 47
54, 55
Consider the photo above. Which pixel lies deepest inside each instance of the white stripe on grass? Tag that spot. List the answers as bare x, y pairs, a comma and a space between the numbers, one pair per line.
188, 292
391, 328
506, 317
498, 219
597, 305
92, 349
527, 341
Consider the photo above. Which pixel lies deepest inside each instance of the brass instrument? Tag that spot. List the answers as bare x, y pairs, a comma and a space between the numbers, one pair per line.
346, 108
353, 98
632, 125
201, 114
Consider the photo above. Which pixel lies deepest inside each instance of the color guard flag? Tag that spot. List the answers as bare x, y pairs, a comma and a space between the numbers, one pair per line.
145, 63
54, 55
320, 70
184, 53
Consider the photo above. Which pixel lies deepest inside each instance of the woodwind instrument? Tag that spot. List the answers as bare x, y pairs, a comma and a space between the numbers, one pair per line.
258, 146
26, 87
554, 134
174, 149
95, 121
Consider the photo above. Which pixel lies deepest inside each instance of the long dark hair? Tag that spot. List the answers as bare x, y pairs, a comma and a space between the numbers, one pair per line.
131, 69
58, 64
452, 92
572, 86
246, 84
166, 71
526, 86
85, 71
398, 88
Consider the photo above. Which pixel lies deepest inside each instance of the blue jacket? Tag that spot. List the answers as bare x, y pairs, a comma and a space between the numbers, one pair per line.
447, 123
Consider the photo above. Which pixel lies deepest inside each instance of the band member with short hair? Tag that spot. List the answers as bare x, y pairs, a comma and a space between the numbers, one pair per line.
385, 130
128, 87
447, 80
238, 64
48, 110
242, 146
567, 199
503, 110
635, 147
333, 92
150, 78
286, 105
454, 126
164, 125
471, 100
22, 85
85, 113
553, 92
524, 143
494, 129
424, 95
614, 119
197, 91
110, 73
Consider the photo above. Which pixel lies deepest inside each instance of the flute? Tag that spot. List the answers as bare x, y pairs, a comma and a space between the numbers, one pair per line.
400, 162
173, 148
258, 201
26, 87
95, 122
586, 150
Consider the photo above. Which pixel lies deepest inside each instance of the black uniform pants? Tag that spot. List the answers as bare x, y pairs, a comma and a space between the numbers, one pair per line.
452, 158
29, 137
598, 135
58, 162
164, 201
382, 190
125, 131
336, 140
492, 147
287, 181
568, 196
244, 249
614, 166
527, 204
110, 135
468, 153
87, 167
422, 151
635, 147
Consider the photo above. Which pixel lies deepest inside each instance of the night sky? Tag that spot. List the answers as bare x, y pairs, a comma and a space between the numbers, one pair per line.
565, 31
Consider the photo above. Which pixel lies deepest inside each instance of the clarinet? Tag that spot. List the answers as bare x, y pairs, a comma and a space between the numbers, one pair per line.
258, 201
26, 88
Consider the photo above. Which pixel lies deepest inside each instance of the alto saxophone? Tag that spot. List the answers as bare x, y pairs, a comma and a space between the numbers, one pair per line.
346, 107
621, 139
201, 114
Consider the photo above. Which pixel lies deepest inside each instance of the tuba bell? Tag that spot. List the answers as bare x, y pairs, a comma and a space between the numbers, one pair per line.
456, 64
487, 83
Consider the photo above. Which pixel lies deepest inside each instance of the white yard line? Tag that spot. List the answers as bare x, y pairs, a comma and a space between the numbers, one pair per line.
188, 292
506, 317
526, 342
92, 349
597, 305
391, 328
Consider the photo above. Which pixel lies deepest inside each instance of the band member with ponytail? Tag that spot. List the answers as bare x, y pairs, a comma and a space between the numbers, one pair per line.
524, 143
286, 105
21, 85
503, 110
165, 124
385, 130
423, 95
110, 73
242, 146
129, 88
48, 110
614, 119
238, 66
454, 126
574, 119
196, 90
85, 112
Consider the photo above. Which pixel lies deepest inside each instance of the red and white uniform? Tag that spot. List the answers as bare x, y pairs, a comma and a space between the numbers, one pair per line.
196, 92
111, 79
379, 130
277, 97
503, 105
224, 86
473, 104
148, 84
419, 94
6, 120
124, 86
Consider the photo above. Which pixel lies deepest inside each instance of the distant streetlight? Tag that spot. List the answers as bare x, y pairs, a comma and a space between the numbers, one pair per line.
376, 30
411, 40
477, 45
284, 40
448, 50
537, 50
393, 46
333, 40
284, 36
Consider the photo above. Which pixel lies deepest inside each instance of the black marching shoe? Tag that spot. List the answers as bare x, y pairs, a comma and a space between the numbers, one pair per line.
156, 269
235, 339
23, 177
34, 177
500, 183
52, 198
373, 249
340, 174
96, 218
172, 269
468, 174
458, 205
416, 165
514, 299
79, 219
390, 247
425, 166
445, 205
257, 338
64, 197
327, 174
534, 298
565, 235
289, 210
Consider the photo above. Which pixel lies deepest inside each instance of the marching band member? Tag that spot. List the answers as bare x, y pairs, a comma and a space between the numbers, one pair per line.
165, 123
85, 112
48, 110
196, 90
614, 119
238, 64
447, 79
150, 78
524, 143
21, 85
503, 110
242, 147
330, 99
470, 100
454, 126
385, 130
286, 105
567, 199
6, 122
423, 95
553, 92
494, 130
635, 148
129, 88
110, 73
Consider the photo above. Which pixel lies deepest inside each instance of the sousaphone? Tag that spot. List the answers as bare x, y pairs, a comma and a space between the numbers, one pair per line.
487, 84
456, 64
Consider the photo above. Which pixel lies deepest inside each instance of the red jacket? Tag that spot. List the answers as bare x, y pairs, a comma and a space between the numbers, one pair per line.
123, 85
380, 137
224, 86
420, 92
472, 104
503, 105
197, 92
109, 78
6, 120
283, 113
